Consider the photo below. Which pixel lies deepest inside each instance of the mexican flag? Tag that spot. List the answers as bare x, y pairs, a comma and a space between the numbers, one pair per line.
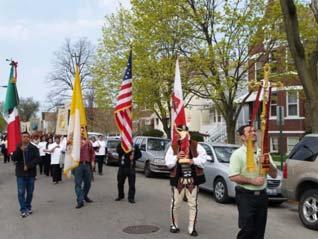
10, 111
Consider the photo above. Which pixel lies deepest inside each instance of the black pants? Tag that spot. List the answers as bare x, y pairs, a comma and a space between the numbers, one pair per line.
56, 173
123, 173
47, 165
100, 161
6, 157
252, 214
41, 163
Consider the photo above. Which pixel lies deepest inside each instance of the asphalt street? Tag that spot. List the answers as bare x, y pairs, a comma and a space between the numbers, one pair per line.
55, 215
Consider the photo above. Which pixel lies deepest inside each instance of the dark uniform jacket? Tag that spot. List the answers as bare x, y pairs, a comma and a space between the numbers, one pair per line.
31, 158
122, 156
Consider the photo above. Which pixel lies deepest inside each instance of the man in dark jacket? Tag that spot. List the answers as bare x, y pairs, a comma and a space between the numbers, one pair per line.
25, 157
126, 169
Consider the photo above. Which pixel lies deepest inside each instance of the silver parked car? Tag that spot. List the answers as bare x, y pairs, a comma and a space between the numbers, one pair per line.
152, 159
216, 172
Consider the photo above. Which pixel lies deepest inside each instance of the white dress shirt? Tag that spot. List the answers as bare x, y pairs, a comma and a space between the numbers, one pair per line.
102, 146
42, 146
199, 161
56, 154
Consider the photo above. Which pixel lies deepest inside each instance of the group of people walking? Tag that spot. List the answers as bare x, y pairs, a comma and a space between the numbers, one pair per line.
185, 158
45, 154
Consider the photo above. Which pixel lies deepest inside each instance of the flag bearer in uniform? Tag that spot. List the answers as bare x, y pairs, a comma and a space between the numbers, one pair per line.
185, 158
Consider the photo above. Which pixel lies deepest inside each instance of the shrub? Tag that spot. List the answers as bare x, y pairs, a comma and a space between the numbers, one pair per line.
197, 136
153, 133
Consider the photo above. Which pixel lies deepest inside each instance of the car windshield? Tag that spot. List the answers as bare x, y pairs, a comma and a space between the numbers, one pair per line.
112, 143
157, 144
223, 153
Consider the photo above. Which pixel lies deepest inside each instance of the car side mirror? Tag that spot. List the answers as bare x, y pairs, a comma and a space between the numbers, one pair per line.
209, 158
143, 147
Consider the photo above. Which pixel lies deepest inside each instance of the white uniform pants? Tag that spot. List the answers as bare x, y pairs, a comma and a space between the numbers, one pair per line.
177, 199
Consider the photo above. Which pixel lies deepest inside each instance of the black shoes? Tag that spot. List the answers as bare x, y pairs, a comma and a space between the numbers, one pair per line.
88, 200
174, 229
194, 233
129, 200
79, 205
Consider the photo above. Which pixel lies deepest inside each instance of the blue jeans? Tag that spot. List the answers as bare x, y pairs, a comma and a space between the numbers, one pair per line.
82, 174
25, 192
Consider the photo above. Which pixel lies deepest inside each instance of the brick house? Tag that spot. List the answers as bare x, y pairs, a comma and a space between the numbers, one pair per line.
291, 97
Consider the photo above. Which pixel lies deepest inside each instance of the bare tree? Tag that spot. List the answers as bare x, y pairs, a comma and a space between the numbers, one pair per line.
62, 76
28, 107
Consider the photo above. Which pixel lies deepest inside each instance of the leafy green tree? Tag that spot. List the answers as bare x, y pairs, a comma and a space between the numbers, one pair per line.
153, 67
2, 123
212, 38
111, 57
220, 49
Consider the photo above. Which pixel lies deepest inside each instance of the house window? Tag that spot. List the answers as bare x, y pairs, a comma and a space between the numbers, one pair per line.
259, 72
273, 110
274, 144
292, 103
291, 142
217, 117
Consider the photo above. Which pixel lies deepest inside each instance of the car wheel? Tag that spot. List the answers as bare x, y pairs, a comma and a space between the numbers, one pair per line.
220, 191
308, 209
147, 170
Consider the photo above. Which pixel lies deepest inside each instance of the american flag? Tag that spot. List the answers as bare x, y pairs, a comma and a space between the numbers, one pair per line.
123, 109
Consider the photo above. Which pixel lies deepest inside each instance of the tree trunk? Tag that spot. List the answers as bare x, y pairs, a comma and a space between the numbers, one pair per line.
165, 123
230, 130
306, 64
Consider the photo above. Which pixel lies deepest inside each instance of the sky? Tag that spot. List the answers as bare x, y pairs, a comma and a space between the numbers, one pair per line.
32, 30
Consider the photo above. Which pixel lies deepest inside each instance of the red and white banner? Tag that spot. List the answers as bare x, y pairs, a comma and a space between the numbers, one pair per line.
177, 110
